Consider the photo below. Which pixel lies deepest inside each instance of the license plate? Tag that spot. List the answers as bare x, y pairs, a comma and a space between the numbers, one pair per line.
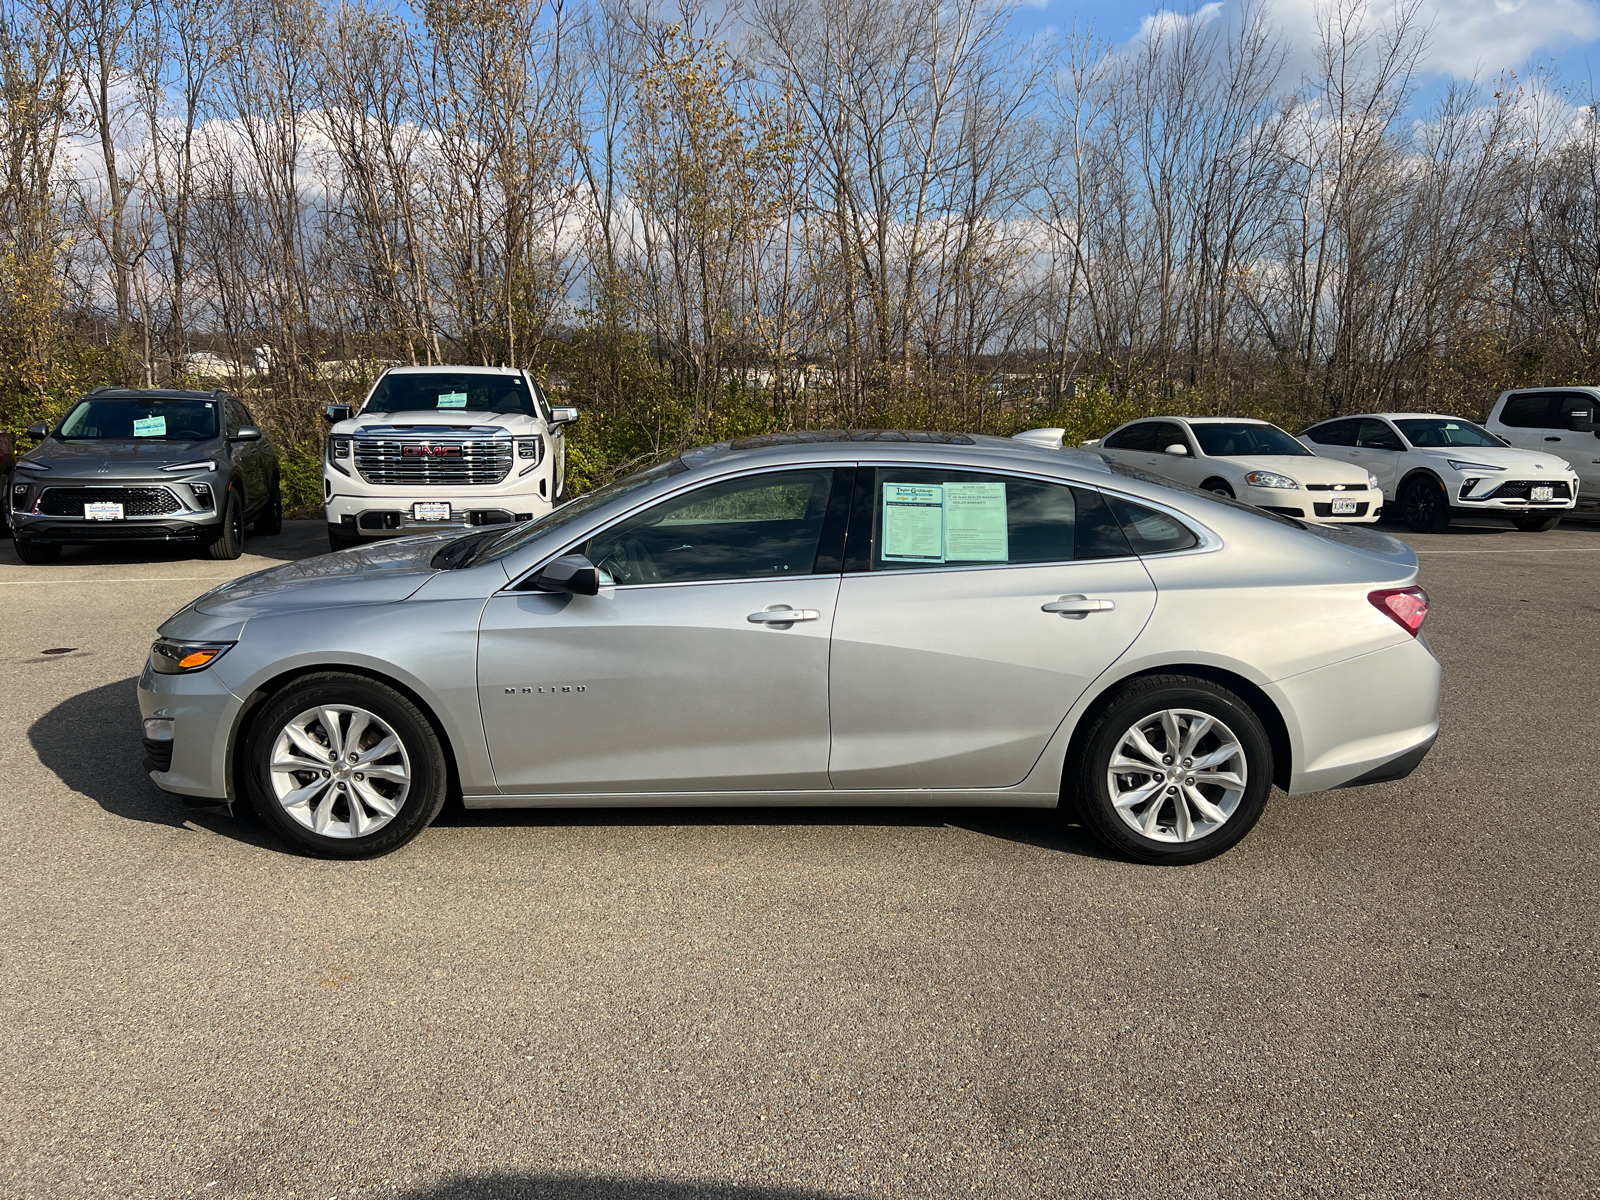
430, 510
1541, 493
1344, 506
102, 510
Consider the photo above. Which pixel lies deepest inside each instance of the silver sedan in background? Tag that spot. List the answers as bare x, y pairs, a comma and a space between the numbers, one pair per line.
829, 618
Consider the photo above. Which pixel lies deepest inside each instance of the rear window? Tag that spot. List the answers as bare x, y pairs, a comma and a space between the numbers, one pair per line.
446, 391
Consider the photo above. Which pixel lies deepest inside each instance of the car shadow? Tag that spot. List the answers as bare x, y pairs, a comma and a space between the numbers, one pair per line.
91, 743
296, 540
504, 1185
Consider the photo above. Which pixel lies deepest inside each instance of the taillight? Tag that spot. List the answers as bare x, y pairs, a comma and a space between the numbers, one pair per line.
1407, 606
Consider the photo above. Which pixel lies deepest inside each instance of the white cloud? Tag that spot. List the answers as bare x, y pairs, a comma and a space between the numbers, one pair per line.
1164, 23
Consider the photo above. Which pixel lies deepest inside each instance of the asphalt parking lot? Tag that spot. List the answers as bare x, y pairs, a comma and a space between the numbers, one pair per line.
1383, 992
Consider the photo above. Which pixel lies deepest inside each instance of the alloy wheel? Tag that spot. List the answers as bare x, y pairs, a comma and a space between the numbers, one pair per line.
340, 771
1177, 775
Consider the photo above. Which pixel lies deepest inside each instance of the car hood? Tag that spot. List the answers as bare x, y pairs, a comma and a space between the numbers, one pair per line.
1500, 456
131, 457
1303, 470
431, 418
382, 573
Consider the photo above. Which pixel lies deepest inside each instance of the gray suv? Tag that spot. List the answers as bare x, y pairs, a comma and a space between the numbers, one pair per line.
129, 465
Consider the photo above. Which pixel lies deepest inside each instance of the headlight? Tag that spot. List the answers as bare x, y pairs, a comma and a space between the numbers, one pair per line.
1461, 465
1270, 479
1372, 482
339, 447
203, 465
169, 657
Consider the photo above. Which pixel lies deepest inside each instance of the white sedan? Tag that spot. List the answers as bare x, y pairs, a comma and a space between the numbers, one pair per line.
1252, 461
1435, 467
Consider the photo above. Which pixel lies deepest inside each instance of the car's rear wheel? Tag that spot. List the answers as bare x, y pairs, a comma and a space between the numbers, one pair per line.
269, 521
36, 553
344, 766
1174, 770
1535, 522
230, 543
1425, 506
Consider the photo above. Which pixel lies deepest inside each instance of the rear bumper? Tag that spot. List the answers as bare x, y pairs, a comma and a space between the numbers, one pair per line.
1365, 720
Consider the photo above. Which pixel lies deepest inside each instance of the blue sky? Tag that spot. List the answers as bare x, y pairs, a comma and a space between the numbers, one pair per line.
1483, 36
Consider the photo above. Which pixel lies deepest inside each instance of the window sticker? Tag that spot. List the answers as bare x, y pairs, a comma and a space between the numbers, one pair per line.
975, 522
149, 427
452, 399
913, 523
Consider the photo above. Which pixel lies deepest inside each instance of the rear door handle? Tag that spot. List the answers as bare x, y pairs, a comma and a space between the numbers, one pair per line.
1550, 439
1076, 608
782, 614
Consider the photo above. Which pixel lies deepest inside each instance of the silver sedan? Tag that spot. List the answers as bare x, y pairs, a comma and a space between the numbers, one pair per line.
868, 618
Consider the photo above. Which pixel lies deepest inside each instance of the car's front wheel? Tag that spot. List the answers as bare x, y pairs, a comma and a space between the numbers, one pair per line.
1425, 506
36, 553
1220, 486
1535, 522
1173, 770
344, 766
230, 542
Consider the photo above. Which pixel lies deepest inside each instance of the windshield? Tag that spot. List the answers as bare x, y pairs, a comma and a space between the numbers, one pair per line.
446, 391
518, 537
1441, 431
1244, 439
145, 418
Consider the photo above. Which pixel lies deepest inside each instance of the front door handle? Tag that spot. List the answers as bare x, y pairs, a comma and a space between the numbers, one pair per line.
1550, 439
782, 614
1076, 608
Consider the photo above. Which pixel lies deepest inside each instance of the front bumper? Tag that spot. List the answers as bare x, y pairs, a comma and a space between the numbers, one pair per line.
1316, 506
203, 712
189, 521
385, 516
1489, 494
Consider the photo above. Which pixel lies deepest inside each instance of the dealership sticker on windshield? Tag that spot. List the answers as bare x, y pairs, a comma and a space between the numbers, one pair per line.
102, 510
149, 427
913, 522
452, 399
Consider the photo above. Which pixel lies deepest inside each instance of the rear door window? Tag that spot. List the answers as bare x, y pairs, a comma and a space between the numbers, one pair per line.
1528, 410
1334, 433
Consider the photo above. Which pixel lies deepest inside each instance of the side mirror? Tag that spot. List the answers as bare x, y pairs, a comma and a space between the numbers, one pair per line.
572, 573
247, 433
336, 413
38, 430
563, 416
1180, 451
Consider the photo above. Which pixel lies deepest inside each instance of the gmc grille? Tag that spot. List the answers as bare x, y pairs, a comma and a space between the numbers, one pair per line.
412, 461
135, 501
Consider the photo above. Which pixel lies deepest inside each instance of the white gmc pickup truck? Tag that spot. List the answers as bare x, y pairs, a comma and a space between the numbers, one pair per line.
443, 447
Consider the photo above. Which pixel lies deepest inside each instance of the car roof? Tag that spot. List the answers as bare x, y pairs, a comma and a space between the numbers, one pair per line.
1206, 420
851, 445
453, 369
1425, 416
108, 393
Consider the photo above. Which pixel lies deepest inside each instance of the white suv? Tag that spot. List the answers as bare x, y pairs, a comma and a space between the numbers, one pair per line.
1432, 467
443, 447
1558, 421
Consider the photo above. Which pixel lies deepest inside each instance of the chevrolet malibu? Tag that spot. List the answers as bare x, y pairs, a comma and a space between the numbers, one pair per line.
823, 619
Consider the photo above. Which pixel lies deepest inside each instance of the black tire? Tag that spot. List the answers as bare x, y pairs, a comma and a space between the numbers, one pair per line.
423, 759
1220, 486
1535, 522
1424, 505
36, 554
341, 541
230, 544
269, 521
1088, 784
